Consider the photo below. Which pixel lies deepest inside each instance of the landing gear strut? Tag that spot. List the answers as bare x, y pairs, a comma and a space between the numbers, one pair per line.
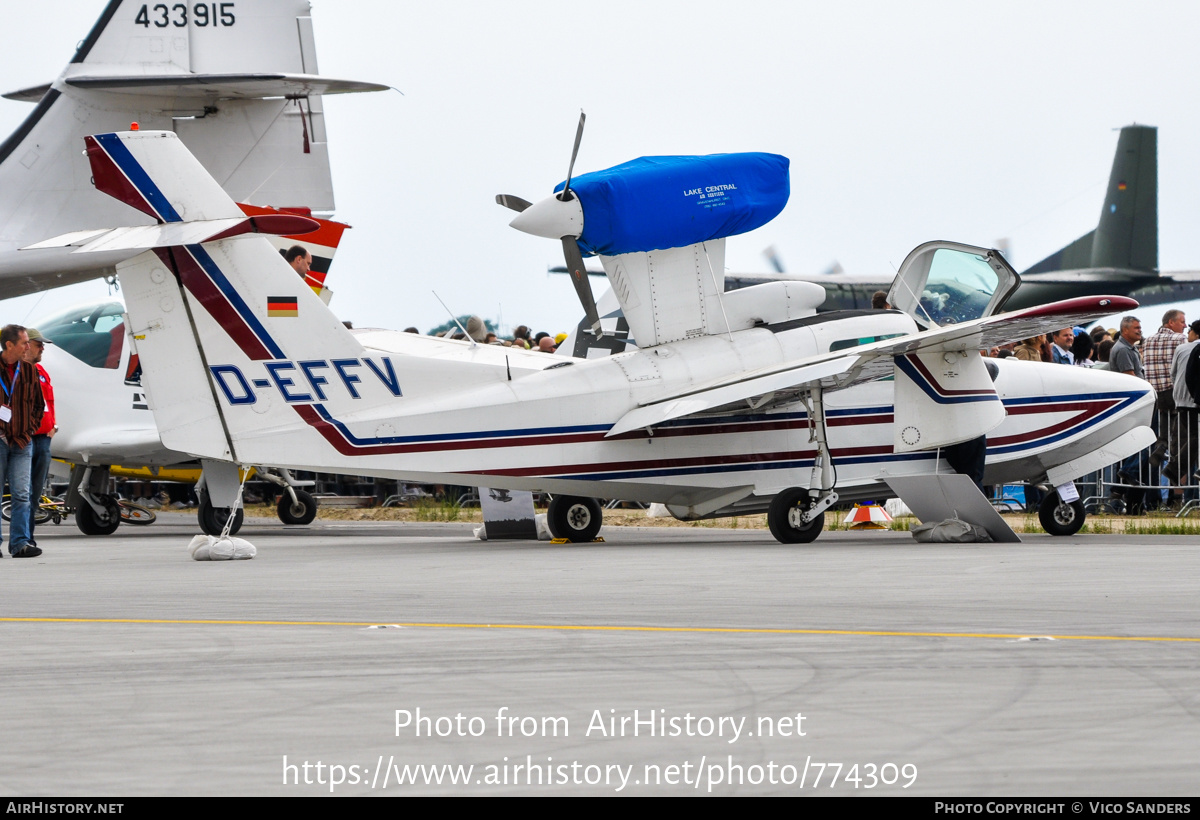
797, 514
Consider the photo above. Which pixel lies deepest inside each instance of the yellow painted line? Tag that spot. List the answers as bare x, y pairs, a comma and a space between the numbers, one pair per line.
608, 628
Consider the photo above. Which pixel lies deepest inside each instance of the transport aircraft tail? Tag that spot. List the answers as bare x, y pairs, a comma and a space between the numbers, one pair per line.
1126, 237
238, 84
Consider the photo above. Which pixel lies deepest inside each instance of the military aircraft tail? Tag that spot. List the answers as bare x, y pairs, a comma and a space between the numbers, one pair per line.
237, 82
1126, 237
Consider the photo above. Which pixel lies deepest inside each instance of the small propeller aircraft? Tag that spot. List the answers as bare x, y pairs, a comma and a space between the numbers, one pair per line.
733, 403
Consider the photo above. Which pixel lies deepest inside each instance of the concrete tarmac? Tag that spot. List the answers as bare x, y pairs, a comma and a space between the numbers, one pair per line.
357, 658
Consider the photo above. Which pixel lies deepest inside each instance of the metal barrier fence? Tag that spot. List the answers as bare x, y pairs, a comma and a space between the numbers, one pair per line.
1162, 477
1153, 479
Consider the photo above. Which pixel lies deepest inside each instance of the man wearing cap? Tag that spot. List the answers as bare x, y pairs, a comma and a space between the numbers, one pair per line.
20, 416
40, 467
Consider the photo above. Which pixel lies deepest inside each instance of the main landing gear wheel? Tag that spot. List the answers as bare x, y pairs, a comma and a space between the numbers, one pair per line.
92, 523
1060, 517
783, 518
575, 519
212, 519
303, 511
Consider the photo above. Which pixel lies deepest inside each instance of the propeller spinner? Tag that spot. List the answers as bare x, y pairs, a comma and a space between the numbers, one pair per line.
560, 216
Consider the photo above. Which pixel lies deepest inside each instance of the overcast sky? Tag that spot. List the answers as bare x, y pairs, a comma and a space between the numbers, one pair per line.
904, 122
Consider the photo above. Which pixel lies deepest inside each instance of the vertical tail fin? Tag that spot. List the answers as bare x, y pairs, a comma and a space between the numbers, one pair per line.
217, 322
236, 81
1127, 234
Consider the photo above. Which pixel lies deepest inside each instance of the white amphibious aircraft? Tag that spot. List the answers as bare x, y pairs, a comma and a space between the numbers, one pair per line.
734, 402
237, 81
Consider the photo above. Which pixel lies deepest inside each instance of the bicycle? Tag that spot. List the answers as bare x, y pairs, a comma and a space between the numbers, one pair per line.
48, 509
132, 513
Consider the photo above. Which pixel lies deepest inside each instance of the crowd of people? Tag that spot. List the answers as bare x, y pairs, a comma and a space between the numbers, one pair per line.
476, 330
1170, 360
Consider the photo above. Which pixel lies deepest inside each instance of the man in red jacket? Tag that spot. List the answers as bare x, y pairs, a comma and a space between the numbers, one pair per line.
21, 408
41, 439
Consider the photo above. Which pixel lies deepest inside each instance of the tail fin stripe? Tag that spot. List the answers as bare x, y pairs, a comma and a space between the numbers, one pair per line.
346, 443
216, 278
132, 171
915, 369
113, 172
193, 276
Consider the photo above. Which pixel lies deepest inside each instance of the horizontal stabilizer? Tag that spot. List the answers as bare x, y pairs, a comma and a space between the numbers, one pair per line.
222, 86
30, 95
170, 234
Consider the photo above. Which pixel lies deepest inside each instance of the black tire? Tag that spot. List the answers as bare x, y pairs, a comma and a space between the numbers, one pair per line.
1059, 517
302, 512
779, 514
136, 514
573, 518
90, 523
212, 519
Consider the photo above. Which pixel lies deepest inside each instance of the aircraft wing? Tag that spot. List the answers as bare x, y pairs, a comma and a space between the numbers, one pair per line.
761, 389
172, 234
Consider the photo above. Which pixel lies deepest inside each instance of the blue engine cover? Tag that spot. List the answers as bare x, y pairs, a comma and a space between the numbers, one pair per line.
653, 203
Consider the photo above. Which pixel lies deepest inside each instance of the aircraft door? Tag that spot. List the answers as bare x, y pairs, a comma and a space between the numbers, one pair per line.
943, 283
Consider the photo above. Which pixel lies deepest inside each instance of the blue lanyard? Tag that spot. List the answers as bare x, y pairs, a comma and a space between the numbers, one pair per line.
8, 391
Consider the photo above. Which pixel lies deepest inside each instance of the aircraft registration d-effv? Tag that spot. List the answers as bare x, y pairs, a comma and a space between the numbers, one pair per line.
733, 403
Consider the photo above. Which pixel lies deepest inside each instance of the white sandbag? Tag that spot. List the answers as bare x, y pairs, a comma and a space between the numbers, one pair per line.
543, 529
481, 532
896, 508
213, 548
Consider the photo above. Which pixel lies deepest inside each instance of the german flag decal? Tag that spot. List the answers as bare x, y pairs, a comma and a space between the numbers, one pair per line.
281, 306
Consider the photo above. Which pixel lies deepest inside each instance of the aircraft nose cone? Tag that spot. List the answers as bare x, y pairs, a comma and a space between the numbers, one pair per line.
551, 218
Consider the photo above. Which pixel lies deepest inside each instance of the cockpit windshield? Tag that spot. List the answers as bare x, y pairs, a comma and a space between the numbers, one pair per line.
94, 334
942, 283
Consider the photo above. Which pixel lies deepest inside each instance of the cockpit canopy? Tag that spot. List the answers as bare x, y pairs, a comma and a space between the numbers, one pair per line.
942, 283
93, 333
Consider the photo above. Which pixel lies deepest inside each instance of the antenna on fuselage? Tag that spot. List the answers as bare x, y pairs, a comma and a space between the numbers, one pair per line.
454, 319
